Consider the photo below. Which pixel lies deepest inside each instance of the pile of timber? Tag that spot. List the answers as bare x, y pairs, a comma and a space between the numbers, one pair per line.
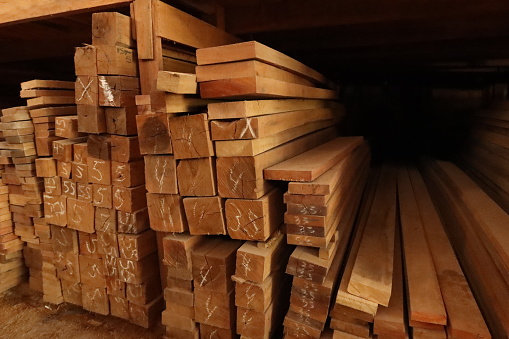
477, 227
487, 156
105, 255
324, 192
12, 266
402, 276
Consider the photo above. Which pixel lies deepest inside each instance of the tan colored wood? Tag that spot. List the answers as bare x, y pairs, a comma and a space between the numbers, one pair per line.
247, 68
134, 222
254, 219
256, 264
95, 299
66, 127
137, 246
317, 161
197, 177
125, 149
115, 60
252, 147
425, 302
242, 177
176, 65
102, 196
48, 84
258, 87
110, 28
154, 133
69, 188
129, 174
55, 208
79, 172
137, 272
91, 119
46, 167
120, 120
87, 90
129, 199
190, 137
146, 315
162, 102
257, 51
215, 308
303, 325
213, 266
33, 93
78, 215
264, 126
161, 174
175, 82
355, 327
166, 213
92, 271
85, 61
205, 215
41, 102
463, 313
178, 249
188, 30
364, 282
421, 333
117, 91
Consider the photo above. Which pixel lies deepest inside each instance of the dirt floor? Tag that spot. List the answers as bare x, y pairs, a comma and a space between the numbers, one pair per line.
24, 315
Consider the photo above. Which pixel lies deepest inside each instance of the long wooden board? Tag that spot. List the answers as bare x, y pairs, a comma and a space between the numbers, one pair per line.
464, 316
425, 302
311, 164
259, 87
372, 273
254, 50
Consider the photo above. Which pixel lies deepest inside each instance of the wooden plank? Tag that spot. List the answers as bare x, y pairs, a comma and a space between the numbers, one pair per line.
32, 93
47, 84
175, 82
252, 147
258, 87
34, 10
257, 51
166, 213
111, 28
188, 30
254, 219
116, 60
178, 249
162, 102
91, 119
246, 109
215, 308
267, 125
247, 68
197, 177
242, 177
120, 120
425, 302
313, 163
190, 137
372, 273
154, 133
205, 215
161, 174
347, 303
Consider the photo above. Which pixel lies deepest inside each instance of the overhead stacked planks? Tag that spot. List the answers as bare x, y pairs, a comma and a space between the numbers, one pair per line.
487, 156
326, 185
477, 228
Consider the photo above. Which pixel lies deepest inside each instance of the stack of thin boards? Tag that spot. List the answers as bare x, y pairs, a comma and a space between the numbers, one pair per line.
487, 156
12, 266
477, 227
399, 283
49, 100
104, 252
325, 189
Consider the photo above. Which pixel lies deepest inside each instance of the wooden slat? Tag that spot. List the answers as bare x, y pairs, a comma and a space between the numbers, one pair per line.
175, 82
425, 302
259, 87
313, 163
257, 51
246, 109
30, 10
259, 127
464, 316
372, 273
180, 27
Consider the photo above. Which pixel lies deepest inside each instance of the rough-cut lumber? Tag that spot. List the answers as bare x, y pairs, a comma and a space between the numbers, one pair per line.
257, 51
178, 249
175, 82
257, 87
267, 125
463, 314
252, 147
313, 163
154, 133
111, 28
166, 212
425, 302
205, 215
161, 174
254, 219
190, 137
197, 177
188, 30
372, 273
48, 84
162, 102
242, 177
247, 68
120, 120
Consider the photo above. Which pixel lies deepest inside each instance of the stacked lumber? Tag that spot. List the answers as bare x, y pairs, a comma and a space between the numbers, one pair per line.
324, 192
262, 289
53, 112
477, 227
486, 158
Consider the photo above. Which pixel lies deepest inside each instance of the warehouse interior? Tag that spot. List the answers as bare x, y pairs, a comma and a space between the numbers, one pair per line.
411, 76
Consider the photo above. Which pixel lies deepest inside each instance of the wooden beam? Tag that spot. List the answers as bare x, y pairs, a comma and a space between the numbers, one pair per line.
31, 10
